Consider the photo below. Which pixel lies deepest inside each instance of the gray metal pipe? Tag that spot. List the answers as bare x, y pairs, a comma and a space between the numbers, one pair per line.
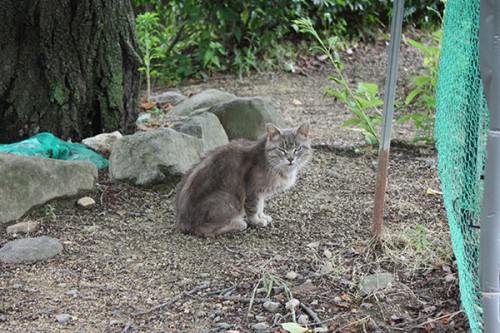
489, 252
385, 137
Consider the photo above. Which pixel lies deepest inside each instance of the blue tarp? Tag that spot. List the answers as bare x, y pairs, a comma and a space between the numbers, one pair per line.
49, 146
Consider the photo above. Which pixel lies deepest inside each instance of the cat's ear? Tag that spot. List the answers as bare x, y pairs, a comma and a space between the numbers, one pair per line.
303, 130
272, 131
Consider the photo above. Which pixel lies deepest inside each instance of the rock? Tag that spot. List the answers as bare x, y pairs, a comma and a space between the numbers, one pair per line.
326, 268
247, 117
260, 326
305, 287
171, 97
291, 275
153, 157
30, 250
260, 318
204, 99
271, 306
85, 202
292, 304
73, 292
328, 254
31, 181
320, 330
205, 126
449, 278
22, 227
102, 143
62, 318
373, 282
303, 319
223, 326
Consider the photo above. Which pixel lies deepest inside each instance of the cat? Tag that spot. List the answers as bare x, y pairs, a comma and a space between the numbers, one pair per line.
234, 180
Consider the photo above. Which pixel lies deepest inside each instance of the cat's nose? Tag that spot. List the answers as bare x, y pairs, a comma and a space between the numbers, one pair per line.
290, 159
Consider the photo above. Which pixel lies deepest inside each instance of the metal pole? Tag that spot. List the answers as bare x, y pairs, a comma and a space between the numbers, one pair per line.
489, 251
385, 138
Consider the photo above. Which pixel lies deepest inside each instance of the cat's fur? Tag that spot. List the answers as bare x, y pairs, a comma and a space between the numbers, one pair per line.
233, 180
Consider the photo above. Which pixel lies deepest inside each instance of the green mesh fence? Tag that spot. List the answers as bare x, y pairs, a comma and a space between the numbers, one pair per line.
460, 131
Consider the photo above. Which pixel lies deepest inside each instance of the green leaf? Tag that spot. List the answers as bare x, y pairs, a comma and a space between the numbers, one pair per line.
420, 46
338, 81
421, 80
412, 95
371, 89
404, 119
351, 122
335, 94
293, 328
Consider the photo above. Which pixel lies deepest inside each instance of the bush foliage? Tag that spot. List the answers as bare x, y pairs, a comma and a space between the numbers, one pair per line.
202, 37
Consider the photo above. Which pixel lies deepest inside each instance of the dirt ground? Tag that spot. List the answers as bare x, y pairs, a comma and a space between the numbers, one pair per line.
125, 268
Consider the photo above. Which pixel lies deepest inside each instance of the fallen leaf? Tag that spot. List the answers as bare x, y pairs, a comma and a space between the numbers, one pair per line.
430, 191
346, 297
148, 106
296, 102
293, 328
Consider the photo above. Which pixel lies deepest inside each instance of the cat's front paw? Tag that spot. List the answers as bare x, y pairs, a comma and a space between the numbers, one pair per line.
257, 221
268, 218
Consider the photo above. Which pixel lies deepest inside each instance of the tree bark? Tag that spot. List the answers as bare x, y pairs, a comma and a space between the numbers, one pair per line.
68, 67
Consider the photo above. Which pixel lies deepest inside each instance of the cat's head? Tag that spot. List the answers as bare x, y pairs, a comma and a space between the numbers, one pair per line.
288, 148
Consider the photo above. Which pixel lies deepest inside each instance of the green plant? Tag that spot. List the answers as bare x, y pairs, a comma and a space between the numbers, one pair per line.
423, 95
362, 102
50, 212
268, 281
148, 28
418, 238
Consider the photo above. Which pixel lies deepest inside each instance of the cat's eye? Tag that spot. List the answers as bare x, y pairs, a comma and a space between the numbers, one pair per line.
281, 151
297, 149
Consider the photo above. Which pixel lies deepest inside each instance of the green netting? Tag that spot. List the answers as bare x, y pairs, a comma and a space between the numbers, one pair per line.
460, 131
49, 146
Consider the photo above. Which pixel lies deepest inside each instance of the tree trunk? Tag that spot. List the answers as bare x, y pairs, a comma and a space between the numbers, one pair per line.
67, 67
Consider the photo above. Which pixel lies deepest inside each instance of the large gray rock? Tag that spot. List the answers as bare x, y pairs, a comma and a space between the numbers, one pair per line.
26, 182
154, 157
247, 117
204, 99
30, 250
205, 126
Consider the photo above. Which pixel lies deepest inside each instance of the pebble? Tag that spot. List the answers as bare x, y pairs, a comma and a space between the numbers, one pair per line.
320, 329
292, 304
271, 306
223, 326
303, 319
17, 286
326, 268
72, 292
449, 278
22, 228
85, 202
260, 318
260, 326
291, 275
62, 318
328, 254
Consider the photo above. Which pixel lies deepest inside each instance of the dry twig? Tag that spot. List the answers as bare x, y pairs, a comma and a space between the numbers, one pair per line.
171, 301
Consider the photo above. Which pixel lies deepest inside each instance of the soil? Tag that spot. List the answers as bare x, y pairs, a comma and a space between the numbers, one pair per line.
125, 268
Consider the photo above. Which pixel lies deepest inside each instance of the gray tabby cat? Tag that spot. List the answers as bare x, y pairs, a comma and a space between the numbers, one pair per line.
233, 180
